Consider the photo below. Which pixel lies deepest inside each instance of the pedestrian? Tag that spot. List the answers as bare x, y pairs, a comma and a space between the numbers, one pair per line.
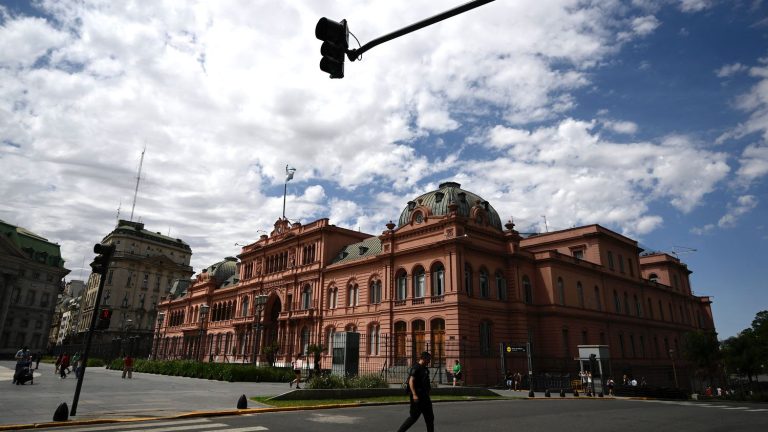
508, 379
64, 366
611, 384
128, 367
517, 378
456, 372
421, 404
37, 359
296, 365
22, 360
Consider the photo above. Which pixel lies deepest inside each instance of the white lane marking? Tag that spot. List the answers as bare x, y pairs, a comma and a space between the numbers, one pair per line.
247, 429
135, 425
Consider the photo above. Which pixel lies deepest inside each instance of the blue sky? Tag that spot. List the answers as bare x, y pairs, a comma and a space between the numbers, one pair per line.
649, 117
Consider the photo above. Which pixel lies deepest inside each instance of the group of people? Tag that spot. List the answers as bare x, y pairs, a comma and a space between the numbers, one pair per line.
64, 362
513, 380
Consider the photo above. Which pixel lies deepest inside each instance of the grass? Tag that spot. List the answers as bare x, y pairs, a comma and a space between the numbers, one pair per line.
372, 400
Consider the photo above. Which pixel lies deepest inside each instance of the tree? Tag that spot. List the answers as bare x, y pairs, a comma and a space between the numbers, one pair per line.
315, 350
702, 349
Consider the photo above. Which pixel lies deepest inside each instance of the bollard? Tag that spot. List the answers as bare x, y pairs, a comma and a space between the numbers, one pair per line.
531, 394
600, 394
546, 393
242, 403
562, 393
575, 393
62, 413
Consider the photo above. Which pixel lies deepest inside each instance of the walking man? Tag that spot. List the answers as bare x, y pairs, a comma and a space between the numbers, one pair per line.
128, 366
421, 404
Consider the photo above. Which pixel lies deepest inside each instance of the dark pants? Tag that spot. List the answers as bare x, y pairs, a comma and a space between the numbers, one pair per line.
421, 407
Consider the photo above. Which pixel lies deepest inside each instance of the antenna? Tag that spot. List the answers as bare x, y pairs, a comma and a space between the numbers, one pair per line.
138, 179
546, 227
680, 250
118, 211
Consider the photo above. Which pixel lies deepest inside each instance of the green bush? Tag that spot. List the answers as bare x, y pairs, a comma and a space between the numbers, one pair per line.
214, 371
329, 381
95, 362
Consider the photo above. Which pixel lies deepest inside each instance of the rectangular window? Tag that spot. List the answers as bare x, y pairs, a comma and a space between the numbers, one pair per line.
610, 260
145, 282
621, 264
631, 266
578, 254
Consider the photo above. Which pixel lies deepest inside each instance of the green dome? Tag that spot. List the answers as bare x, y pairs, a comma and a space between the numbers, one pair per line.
223, 270
450, 192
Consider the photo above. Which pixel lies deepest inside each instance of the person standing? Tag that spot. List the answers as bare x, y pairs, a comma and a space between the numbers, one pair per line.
456, 372
64, 366
128, 366
37, 359
518, 379
508, 378
421, 404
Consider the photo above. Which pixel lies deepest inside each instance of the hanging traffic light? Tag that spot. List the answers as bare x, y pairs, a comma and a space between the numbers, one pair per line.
103, 257
105, 316
335, 37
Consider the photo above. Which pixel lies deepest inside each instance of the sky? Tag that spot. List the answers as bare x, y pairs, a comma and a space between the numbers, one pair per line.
648, 117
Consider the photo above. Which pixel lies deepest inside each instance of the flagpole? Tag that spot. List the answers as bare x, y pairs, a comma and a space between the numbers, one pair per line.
288, 176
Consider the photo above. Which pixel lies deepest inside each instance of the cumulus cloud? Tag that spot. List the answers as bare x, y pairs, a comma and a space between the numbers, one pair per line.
695, 5
744, 204
224, 94
730, 70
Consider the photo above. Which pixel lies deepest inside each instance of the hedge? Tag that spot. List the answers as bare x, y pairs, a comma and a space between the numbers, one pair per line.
214, 371
328, 381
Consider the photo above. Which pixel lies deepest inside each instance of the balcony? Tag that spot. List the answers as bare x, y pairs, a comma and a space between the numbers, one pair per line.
436, 299
300, 309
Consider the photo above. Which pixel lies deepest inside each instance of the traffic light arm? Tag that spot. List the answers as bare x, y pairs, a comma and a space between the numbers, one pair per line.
354, 54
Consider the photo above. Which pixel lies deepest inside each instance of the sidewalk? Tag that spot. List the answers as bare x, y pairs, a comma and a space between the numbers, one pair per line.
105, 394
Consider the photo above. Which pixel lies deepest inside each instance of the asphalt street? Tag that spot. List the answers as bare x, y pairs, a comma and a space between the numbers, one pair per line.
595, 415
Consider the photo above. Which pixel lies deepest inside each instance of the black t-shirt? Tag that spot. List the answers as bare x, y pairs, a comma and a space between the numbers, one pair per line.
420, 376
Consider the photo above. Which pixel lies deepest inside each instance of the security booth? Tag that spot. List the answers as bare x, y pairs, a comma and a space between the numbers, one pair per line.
346, 354
595, 366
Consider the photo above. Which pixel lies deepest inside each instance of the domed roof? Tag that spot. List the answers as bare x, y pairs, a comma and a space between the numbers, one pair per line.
222, 270
450, 192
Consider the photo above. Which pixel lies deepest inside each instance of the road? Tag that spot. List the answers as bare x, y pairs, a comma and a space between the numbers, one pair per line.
486, 416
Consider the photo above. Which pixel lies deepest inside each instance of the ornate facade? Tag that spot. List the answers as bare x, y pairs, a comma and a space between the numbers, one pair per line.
31, 277
447, 277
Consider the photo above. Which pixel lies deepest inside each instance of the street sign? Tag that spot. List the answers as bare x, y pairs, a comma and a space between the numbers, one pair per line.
509, 348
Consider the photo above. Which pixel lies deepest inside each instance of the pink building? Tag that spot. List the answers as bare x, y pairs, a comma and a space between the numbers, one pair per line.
450, 278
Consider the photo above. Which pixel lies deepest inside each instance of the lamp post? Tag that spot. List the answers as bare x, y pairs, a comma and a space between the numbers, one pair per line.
203, 316
259, 303
674, 371
160, 319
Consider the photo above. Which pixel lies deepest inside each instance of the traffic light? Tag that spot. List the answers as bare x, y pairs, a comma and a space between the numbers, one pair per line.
105, 315
335, 37
100, 264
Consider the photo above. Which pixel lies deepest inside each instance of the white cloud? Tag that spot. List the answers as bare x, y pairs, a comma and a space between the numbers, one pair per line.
730, 70
640, 27
744, 204
623, 127
695, 5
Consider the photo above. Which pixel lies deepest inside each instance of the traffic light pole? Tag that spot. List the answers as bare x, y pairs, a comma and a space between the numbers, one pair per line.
89, 336
354, 54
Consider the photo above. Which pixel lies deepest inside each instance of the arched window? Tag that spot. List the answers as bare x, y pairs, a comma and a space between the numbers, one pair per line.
485, 337
350, 328
598, 299
244, 306
333, 294
304, 340
352, 295
419, 281
501, 286
437, 336
653, 277
373, 339
306, 297
401, 356
560, 291
438, 280
527, 290
468, 276
374, 292
402, 285
418, 330
580, 293
485, 290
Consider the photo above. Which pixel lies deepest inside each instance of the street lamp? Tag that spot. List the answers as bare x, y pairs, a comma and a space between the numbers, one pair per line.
259, 302
160, 319
203, 314
674, 371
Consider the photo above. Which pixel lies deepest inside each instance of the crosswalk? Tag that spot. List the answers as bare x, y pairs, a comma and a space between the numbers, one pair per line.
196, 425
710, 405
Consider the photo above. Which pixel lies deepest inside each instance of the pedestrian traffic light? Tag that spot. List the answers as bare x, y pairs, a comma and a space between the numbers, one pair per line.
101, 262
105, 316
335, 37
